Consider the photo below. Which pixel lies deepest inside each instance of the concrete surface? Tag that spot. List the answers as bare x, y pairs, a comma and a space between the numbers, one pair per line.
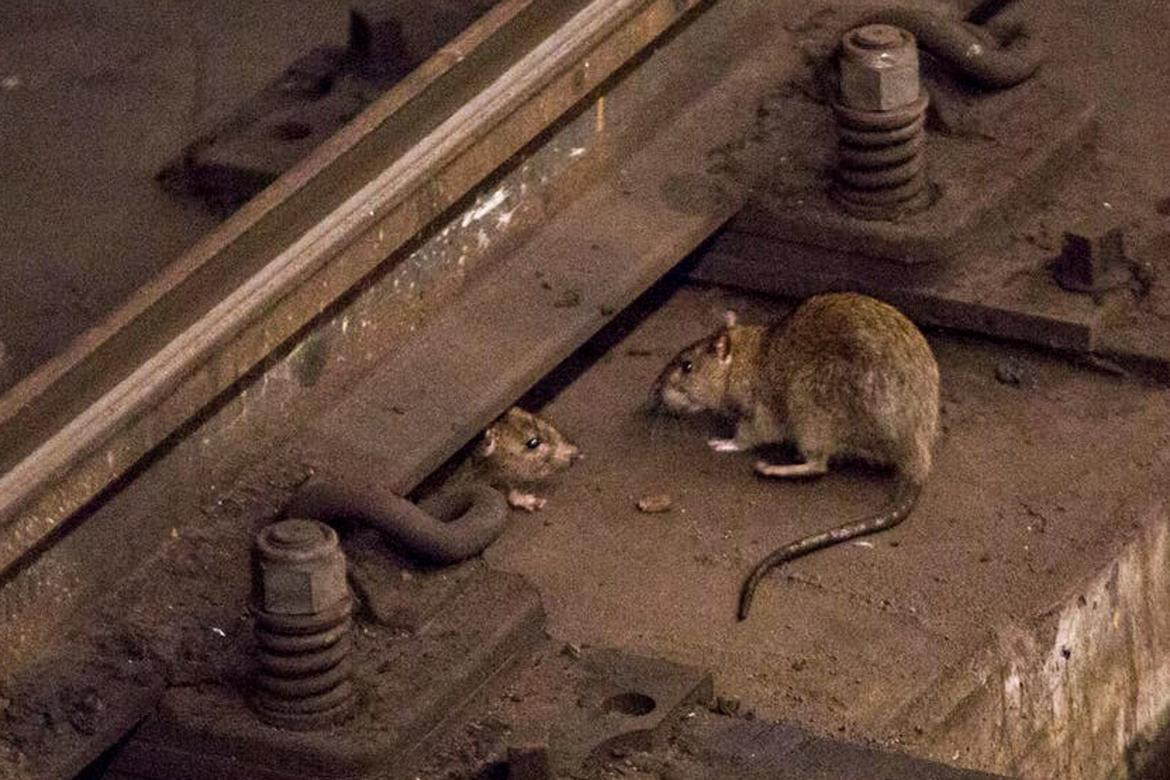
1037, 489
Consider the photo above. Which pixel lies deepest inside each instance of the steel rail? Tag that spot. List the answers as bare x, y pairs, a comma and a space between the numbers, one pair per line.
81, 421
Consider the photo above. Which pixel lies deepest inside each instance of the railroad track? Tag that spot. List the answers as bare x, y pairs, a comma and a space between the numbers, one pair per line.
391, 293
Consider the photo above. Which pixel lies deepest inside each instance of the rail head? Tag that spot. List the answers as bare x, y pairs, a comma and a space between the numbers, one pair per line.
82, 420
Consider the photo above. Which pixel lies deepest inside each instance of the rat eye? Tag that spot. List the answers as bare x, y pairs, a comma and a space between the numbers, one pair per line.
532, 443
687, 366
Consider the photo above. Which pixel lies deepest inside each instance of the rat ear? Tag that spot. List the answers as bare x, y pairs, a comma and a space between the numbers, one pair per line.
487, 445
721, 347
517, 416
730, 318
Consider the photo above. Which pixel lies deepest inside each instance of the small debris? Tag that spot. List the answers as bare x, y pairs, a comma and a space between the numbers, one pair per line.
9, 83
654, 504
1102, 364
1011, 372
85, 712
1040, 522
606, 311
864, 544
567, 299
726, 705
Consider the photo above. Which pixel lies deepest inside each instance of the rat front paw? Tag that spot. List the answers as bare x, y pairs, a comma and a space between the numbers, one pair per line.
525, 501
725, 445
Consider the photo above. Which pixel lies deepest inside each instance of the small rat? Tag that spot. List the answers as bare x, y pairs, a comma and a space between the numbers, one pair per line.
517, 452
844, 375
466, 514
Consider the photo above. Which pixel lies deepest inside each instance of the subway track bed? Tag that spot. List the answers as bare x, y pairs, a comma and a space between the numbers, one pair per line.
503, 227
1016, 605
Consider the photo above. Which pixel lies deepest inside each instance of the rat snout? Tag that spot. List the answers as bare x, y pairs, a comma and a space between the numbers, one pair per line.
677, 401
568, 453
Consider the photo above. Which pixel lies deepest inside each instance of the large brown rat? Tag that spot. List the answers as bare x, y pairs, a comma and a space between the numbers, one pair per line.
843, 376
518, 452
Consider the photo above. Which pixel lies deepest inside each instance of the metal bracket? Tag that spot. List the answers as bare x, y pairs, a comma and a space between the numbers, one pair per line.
969, 261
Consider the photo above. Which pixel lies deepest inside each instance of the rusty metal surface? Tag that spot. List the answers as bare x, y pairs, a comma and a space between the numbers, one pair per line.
997, 300
1010, 168
310, 100
539, 259
999, 151
408, 686
78, 423
558, 709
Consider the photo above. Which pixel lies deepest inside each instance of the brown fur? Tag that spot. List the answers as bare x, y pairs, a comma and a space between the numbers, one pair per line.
504, 459
845, 376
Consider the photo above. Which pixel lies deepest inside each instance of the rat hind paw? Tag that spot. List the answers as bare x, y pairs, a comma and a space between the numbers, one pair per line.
725, 445
525, 501
791, 470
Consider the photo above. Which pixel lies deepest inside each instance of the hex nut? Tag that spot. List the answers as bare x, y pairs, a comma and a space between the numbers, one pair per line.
299, 568
878, 68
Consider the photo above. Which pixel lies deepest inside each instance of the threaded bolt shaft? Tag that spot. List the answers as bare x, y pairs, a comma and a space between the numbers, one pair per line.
302, 608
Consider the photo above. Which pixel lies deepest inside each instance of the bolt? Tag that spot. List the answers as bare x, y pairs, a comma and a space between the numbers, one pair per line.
879, 68
300, 569
876, 36
1094, 260
302, 611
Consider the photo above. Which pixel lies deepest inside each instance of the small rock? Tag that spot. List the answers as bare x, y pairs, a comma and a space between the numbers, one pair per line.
652, 504
85, 715
567, 299
572, 650
1011, 372
727, 705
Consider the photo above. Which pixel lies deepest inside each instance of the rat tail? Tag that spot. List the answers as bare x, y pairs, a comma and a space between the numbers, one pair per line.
905, 496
